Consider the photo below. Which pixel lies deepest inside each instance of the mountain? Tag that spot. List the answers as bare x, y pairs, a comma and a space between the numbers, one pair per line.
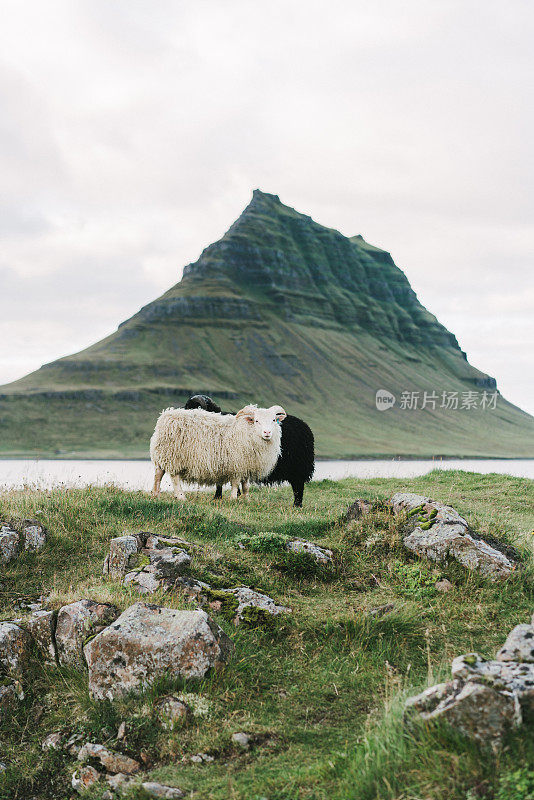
280, 310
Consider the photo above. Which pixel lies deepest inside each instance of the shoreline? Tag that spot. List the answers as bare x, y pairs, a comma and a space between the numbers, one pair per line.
319, 459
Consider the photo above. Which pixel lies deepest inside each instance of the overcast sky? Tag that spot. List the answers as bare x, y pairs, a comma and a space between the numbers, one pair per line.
132, 134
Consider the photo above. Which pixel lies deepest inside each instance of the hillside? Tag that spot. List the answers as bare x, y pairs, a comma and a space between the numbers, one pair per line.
282, 310
318, 691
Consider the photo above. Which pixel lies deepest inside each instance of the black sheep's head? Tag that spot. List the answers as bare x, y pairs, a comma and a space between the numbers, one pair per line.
202, 401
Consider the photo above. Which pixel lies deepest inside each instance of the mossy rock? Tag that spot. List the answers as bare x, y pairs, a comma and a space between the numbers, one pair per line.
254, 617
228, 600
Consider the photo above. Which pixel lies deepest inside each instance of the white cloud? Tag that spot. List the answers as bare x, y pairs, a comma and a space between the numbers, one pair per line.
132, 133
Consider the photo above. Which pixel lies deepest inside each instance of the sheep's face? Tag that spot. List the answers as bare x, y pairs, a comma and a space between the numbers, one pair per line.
264, 420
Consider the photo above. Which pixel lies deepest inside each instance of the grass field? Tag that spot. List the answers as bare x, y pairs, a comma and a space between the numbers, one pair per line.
321, 691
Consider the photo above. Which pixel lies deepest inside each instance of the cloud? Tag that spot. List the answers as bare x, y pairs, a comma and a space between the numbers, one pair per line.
132, 133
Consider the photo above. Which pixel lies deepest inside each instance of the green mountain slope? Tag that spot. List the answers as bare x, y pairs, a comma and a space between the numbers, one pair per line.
282, 310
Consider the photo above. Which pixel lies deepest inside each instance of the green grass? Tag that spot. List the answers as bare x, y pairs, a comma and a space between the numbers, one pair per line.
321, 691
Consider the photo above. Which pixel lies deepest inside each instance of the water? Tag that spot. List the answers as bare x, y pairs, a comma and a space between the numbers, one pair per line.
17, 473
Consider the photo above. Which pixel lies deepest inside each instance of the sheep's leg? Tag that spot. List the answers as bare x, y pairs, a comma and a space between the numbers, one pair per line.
245, 485
178, 491
235, 487
157, 481
298, 491
218, 492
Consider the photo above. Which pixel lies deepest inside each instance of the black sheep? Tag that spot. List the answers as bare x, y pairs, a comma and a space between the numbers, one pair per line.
296, 462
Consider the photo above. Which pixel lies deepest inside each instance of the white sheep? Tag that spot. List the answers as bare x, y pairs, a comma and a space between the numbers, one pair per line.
200, 447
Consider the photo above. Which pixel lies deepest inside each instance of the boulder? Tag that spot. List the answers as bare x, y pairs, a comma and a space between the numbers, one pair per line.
9, 543
519, 645
41, 626
440, 533
158, 790
478, 711
507, 676
319, 554
15, 649
244, 605
149, 641
444, 541
111, 761
33, 535
409, 502
77, 622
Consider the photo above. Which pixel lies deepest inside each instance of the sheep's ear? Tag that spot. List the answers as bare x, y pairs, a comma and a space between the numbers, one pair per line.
279, 413
247, 412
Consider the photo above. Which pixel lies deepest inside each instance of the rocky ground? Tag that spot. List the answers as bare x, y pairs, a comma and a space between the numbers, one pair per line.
154, 649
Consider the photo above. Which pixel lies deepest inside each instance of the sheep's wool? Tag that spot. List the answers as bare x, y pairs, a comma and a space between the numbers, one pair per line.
206, 448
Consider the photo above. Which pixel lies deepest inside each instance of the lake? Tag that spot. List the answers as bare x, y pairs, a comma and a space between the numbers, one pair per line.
16, 473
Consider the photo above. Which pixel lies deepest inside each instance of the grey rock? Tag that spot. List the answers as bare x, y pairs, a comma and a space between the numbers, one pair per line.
41, 626
247, 601
241, 739
428, 700
166, 566
52, 742
15, 649
448, 537
443, 585
519, 645
33, 534
120, 782
148, 641
144, 581
202, 758
444, 541
120, 550
170, 563
154, 542
407, 501
506, 676
84, 778
172, 712
319, 554
158, 790
75, 623
476, 710
9, 543
111, 761
248, 598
